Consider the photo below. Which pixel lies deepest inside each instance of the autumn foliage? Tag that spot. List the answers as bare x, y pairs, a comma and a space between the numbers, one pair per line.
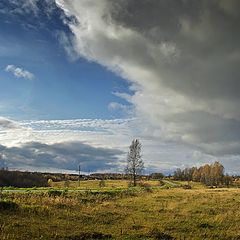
208, 174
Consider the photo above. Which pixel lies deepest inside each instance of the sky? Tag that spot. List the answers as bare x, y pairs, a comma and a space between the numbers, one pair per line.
79, 79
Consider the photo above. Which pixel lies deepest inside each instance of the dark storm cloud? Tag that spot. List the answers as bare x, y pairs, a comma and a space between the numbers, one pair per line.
182, 57
211, 128
205, 32
65, 155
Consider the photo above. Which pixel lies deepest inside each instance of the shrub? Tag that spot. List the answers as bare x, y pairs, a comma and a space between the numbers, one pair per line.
50, 182
186, 186
66, 183
8, 205
130, 184
54, 193
147, 187
102, 183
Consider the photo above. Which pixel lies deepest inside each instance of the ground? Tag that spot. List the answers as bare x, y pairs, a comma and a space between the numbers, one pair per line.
154, 211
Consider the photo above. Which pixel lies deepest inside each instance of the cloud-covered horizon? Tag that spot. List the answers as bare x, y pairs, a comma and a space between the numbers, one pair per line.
61, 156
60, 145
56, 145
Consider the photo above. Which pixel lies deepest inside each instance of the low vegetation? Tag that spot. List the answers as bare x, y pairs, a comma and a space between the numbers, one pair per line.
155, 210
195, 203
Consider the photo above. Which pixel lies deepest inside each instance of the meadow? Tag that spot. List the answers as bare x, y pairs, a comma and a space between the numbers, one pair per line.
154, 210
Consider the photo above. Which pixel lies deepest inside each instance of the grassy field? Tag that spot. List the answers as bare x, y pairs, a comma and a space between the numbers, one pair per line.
165, 211
95, 184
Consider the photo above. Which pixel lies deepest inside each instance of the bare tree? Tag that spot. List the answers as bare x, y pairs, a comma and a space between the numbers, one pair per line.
135, 164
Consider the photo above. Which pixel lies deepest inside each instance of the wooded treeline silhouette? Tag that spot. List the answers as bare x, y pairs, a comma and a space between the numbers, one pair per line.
22, 179
208, 174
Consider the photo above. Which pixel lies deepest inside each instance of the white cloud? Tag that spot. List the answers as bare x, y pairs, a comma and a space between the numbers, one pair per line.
27, 142
183, 64
66, 42
19, 72
6, 124
12, 132
115, 134
185, 77
124, 110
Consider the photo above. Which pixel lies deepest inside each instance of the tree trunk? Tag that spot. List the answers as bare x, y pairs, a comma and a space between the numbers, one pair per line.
134, 180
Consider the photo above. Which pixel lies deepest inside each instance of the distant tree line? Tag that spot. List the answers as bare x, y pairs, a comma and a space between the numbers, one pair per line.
156, 176
208, 174
22, 179
38, 179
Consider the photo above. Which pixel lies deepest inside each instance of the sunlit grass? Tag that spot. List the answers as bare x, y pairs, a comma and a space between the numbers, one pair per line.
137, 213
95, 184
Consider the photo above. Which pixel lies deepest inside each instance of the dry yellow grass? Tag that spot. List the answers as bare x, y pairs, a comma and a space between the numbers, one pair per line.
176, 213
94, 184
